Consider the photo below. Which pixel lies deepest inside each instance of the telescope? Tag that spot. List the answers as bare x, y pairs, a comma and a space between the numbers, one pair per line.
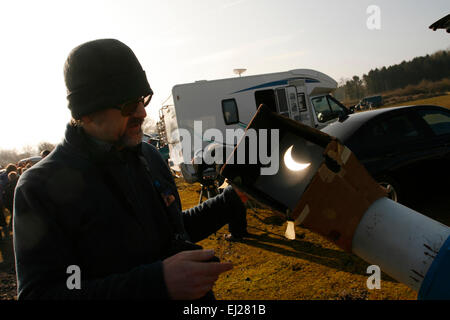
321, 185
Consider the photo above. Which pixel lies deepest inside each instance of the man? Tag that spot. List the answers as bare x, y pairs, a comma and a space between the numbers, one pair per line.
3, 184
4, 175
8, 196
106, 203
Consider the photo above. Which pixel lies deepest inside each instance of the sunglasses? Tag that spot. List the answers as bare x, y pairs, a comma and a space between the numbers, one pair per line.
130, 107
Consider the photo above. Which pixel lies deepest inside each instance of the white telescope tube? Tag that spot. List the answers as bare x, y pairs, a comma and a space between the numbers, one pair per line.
401, 241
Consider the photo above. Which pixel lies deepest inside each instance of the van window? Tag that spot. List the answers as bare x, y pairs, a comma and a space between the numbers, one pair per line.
336, 108
266, 97
230, 111
301, 102
323, 111
282, 102
327, 108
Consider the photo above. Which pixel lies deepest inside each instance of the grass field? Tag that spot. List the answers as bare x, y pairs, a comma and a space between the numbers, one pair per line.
443, 101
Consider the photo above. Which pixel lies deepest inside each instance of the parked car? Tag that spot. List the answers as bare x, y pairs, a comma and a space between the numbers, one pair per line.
406, 149
32, 160
154, 140
368, 103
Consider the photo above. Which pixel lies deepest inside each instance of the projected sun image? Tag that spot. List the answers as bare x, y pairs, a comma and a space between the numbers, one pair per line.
291, 164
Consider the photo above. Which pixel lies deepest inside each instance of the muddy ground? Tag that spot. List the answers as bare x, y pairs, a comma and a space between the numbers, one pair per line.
7, 271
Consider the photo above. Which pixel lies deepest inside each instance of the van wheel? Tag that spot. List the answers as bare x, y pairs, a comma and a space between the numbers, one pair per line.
391, 186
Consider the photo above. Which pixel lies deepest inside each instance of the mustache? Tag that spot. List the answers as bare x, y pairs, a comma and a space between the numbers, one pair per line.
134, 121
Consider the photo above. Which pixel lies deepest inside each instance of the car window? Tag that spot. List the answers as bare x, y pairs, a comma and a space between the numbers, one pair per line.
439, 121
393, 130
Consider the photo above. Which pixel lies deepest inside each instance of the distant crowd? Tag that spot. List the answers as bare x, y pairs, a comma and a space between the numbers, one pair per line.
8, 181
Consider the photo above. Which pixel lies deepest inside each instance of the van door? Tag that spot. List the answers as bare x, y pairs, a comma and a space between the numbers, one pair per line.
297, 104
291, 103
291, 94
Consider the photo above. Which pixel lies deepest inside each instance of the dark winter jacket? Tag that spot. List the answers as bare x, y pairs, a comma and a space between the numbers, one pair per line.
3, 182
101, 210
8, 194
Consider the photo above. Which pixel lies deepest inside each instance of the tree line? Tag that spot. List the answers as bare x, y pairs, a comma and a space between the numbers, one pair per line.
429, 68
13, 155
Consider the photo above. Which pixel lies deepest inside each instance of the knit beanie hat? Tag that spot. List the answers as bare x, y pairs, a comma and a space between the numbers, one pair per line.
101, 74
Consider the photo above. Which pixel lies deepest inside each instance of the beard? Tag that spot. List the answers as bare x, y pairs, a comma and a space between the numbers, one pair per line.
131, 138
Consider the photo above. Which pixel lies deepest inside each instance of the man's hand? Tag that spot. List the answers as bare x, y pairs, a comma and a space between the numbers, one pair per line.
188, 275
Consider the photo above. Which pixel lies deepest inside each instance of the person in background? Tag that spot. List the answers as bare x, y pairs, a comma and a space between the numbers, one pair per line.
3, 224
8, 199
8, 195
4, 176
3, 183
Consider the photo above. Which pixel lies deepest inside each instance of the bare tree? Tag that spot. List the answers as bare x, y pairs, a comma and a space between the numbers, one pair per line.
13, 155
8, 156
27, 151
149, 126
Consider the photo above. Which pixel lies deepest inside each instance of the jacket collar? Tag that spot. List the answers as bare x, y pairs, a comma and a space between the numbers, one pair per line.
85, 146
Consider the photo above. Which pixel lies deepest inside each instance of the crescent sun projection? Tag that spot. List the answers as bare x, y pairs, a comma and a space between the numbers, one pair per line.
291, 164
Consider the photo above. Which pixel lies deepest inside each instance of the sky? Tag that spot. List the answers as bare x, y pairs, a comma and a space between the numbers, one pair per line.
181, 41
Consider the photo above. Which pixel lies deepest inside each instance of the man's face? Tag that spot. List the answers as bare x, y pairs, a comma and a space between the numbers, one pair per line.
131, 133
109, 125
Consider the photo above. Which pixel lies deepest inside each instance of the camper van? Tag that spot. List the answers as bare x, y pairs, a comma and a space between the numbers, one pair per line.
302, 94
